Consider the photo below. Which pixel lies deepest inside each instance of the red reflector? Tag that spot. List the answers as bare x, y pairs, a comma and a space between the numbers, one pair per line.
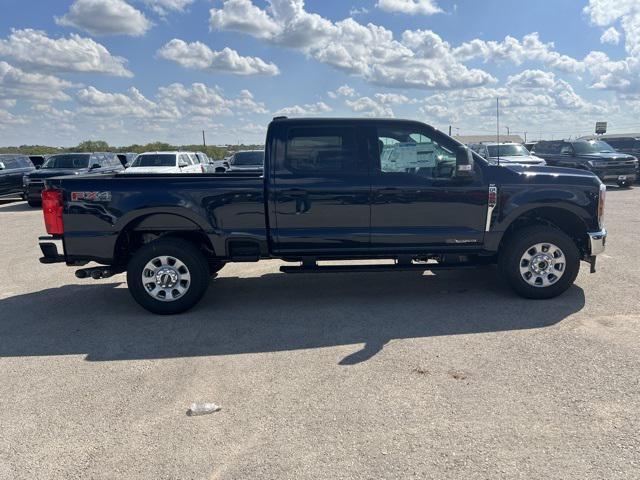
52, 209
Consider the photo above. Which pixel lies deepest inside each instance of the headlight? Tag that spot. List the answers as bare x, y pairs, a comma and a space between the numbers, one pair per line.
25, 180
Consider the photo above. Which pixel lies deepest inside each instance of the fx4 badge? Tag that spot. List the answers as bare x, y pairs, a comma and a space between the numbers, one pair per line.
91, 196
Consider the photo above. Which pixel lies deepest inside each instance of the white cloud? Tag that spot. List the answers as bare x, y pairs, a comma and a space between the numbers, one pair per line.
131, 104
310, 109
164, 7
343, 91
516, 51
199, 56
35, 50
369, 51
611, 35
410, 7
18, 84
393, 99
105, 17
606, 12
358, 11
369, 107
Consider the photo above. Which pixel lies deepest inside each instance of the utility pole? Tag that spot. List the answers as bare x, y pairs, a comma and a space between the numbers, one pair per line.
449, 130
525, 137
204, 142
508, 131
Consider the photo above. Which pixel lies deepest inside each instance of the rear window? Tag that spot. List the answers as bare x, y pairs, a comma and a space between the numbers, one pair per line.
155, 160
625, 143
71, 161
322, 149
248, 159
15, 161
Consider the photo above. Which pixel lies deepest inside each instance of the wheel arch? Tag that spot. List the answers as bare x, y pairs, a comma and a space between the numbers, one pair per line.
150, 226
564, 219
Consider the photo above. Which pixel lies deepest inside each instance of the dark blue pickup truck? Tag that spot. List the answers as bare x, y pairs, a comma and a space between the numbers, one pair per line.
332, 189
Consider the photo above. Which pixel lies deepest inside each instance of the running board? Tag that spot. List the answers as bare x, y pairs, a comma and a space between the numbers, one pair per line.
398, 267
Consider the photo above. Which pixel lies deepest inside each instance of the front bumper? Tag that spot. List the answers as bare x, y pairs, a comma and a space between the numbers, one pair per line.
597, 241
52, 249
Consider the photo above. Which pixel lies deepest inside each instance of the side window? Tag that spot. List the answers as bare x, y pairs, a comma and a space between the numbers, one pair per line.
407, 150
323, 149
97, 159
185, 158
10, 163
566, 149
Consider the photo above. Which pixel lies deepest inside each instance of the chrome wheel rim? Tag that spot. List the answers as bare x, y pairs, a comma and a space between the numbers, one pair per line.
542, 265
166, 278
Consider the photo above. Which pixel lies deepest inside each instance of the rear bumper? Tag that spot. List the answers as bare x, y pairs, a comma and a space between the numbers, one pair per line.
52, 249
597, 242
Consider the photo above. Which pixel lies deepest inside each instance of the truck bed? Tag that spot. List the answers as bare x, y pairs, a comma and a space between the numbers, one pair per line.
99, 207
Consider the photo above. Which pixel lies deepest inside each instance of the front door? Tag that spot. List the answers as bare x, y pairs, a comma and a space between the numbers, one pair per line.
417, 202
322, 189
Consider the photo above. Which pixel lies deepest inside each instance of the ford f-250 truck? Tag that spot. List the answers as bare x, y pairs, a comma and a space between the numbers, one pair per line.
332, 189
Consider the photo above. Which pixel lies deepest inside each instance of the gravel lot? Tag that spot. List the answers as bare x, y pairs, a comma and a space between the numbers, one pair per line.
357, 376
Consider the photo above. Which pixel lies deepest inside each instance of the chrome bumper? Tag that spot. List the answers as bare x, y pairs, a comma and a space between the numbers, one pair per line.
597, 241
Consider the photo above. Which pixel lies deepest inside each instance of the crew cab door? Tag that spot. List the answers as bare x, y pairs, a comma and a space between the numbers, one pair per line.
321, 190
417, 202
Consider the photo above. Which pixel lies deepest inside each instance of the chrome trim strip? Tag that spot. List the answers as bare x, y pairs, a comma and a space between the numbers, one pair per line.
491, 205
597, 242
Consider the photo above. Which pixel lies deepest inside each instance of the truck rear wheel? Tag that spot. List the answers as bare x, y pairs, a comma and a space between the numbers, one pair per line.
168, 276
539, 262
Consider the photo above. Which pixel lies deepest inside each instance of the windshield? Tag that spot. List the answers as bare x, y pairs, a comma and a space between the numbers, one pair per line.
155, 160
71, 161
596, 146
508, 151
248, 158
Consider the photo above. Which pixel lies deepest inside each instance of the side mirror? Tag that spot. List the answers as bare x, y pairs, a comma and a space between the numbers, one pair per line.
464, 163
94, 166
226, 164
182, 164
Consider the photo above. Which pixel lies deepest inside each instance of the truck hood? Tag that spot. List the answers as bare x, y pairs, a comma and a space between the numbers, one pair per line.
556, 172
245, 168
134, 170
607, 156
56, 172
523, 160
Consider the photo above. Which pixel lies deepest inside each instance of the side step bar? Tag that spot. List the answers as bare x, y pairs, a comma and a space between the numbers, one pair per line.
398, 267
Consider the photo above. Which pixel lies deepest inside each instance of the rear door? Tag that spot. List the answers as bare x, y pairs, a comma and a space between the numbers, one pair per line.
321, 190
417, 202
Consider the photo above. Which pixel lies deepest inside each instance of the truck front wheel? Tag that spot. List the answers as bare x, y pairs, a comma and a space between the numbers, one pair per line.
168, 276
539, 262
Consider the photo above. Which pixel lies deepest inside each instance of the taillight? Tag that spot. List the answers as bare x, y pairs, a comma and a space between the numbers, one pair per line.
601, 200
52, 209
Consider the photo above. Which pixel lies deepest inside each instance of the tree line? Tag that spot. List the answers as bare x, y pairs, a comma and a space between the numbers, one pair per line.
213, 151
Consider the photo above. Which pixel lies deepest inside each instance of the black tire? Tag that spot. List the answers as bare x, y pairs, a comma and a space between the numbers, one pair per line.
34, 203
625, 184
185, 252
521, 241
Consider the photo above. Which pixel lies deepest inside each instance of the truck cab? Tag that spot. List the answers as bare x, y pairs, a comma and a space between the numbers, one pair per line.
331, 189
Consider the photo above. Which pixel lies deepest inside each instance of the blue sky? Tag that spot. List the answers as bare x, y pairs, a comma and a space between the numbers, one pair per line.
133, 71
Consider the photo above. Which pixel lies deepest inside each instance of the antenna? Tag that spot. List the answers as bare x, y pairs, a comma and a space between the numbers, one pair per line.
498, 126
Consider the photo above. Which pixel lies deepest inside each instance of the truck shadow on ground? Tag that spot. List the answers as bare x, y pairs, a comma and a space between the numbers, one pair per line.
274, 312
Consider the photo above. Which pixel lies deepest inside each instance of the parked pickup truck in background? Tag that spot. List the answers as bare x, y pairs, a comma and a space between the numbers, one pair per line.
332, 189
68, 164
592, 155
